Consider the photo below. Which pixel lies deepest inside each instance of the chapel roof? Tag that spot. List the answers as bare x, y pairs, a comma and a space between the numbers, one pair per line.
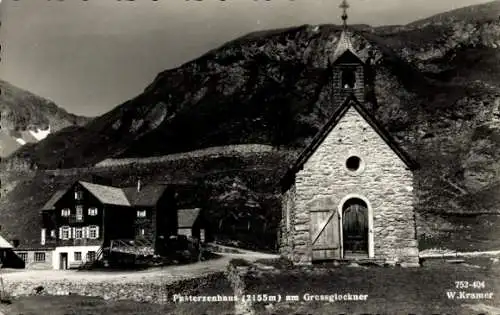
344, 46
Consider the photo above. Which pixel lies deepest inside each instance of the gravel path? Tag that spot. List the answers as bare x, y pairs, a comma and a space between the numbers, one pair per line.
154, 275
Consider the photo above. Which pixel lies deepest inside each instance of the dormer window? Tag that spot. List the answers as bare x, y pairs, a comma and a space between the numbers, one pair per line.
348, 78
78, 195
141, 213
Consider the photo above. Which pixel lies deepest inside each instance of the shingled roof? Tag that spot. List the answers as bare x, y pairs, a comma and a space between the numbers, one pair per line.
187, 217
128, 196
49, 205
146, 196
350, 101
4, 243
106, 194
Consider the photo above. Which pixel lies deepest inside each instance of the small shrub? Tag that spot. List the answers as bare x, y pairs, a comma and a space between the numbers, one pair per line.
38, 290
6, 298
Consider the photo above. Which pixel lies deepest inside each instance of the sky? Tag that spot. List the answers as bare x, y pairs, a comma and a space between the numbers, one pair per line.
91, 56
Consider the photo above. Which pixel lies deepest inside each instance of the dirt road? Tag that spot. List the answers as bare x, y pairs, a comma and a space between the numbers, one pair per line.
154, 275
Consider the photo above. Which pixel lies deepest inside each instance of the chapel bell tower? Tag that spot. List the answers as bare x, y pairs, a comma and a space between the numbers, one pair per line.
348, 68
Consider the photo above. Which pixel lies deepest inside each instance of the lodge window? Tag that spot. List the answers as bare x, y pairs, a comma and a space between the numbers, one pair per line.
141, 213
92, 211
78, 195
91, 255
65, 233
78, 256
202, 235
94, 232
348, 78
78, 233
65, 212
53, 233
40, 257
79, 213
23, 256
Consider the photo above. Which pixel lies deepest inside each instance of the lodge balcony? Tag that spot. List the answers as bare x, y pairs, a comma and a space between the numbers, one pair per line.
73, 242
142, 247
75, 219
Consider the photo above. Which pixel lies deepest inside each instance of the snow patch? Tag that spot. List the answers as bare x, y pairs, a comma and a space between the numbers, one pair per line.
21, 141
40, 134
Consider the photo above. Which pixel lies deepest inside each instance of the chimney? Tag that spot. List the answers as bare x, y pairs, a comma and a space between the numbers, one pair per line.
138, 185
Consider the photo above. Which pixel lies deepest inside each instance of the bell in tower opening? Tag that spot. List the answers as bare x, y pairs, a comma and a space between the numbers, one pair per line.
348, 79
349, 70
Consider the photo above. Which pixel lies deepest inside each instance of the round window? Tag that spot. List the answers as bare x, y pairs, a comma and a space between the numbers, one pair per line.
353, 163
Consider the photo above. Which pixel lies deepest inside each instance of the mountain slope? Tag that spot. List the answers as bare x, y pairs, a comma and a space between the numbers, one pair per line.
481, 13
28, 118
236, 93
432, 90
269, 89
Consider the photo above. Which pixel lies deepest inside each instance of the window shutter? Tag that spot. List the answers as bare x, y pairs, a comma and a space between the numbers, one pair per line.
72, 233
86, 232
60, 233
97, 232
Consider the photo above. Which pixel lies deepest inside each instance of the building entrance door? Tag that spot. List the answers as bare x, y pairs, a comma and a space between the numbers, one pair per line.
63, 261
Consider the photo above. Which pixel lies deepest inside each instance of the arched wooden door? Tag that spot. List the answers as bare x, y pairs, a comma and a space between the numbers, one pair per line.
355, 228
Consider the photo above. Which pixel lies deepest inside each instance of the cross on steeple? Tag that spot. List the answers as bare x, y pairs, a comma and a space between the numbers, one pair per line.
344, 6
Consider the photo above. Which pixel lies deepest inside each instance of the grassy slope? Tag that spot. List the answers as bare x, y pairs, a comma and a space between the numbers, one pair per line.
207, 179
72, 304
390, 290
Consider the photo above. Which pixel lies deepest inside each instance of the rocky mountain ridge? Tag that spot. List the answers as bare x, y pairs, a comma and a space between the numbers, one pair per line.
28, 118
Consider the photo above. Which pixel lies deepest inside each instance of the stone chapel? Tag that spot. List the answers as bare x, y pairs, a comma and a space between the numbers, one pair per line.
349, 195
